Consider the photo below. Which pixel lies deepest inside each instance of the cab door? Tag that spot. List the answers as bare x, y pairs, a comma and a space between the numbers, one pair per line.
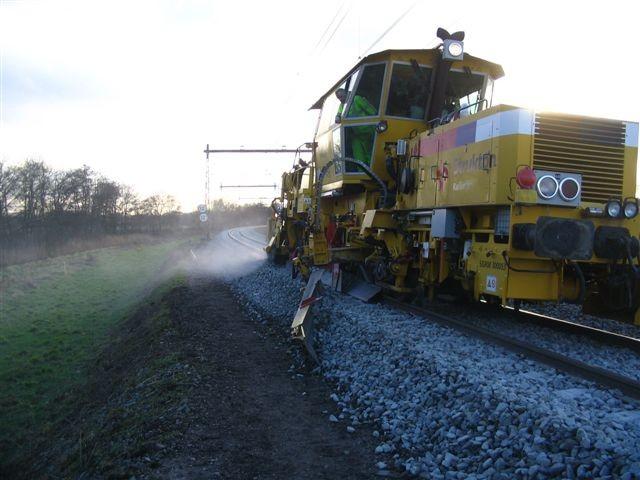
427, 172
464, 173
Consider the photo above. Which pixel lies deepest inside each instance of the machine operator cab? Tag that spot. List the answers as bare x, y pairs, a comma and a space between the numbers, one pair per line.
395, 94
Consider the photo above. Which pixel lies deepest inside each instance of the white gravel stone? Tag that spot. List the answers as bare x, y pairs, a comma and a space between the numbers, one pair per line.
450, 406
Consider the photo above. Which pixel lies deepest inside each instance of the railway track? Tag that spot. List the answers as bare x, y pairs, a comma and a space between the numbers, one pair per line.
604, 336
602, 376
567, 364
240, 236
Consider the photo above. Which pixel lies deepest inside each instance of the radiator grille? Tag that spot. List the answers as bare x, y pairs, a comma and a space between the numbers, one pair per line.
589, 146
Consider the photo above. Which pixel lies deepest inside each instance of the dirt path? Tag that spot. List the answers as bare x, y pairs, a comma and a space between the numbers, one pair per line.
249, 417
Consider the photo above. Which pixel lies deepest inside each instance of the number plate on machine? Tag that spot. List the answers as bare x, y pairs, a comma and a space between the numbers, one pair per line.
492, 283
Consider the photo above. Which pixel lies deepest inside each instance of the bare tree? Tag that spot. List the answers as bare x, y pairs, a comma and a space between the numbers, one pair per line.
32, 189
104, 200
128, 204
61, 191
8, 193
80, 183
8, 188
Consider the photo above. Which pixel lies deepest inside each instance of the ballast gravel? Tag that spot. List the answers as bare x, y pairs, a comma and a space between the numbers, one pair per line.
623, 361
445, 405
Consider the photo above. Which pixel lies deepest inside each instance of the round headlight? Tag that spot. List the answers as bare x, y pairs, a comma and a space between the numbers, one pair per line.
547, 187
630, 208
455, 49
613, 208
569, 189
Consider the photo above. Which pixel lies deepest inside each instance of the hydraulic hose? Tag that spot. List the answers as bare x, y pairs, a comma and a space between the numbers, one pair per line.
627, 245
582, 284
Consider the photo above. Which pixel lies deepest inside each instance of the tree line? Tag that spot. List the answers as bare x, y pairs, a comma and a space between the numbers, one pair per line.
46, 211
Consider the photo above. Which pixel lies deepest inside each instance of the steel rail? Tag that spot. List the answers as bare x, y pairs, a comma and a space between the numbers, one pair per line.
602, 376
241, 242
250, 238
604, 336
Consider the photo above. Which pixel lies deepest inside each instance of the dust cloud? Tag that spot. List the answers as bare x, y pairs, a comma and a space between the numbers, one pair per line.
232, 253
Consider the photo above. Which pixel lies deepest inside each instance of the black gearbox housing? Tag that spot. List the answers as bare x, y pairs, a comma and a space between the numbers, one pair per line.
611, 243
557, 238
524, 236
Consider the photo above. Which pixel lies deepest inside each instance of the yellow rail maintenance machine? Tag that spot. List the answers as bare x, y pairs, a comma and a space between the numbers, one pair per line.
420, 183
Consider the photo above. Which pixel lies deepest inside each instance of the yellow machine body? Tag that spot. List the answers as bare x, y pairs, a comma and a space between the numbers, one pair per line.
290, 211
422, 199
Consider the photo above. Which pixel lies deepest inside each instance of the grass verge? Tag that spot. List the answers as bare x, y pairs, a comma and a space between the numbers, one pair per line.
54, 316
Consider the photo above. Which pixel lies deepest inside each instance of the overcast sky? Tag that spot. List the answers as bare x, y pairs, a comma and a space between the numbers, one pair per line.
136, 89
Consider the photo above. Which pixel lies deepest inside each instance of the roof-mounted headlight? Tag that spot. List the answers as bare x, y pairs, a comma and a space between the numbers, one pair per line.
453, 50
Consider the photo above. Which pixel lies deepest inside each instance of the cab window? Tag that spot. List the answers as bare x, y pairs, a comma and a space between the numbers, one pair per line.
408, 91
358, 144
366, 100
337, 150
306, 177
350, 84
330, 108
333, 106
464, 94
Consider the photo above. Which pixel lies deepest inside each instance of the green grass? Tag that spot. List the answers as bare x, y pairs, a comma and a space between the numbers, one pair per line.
55, 315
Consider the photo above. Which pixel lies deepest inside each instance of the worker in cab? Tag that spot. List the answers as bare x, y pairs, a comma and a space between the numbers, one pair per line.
362, 136
360, 106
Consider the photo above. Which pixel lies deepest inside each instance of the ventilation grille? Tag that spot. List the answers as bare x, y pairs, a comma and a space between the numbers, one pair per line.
589, 146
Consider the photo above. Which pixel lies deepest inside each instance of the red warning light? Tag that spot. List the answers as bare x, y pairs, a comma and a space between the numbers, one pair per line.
526, 178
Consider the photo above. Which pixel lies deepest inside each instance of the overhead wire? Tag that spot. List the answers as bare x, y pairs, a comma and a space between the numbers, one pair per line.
395, 22
336, 29
328, 40
327, 28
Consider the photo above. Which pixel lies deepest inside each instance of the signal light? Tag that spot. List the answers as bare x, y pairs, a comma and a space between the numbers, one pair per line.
526, 178
547, 187
569, 189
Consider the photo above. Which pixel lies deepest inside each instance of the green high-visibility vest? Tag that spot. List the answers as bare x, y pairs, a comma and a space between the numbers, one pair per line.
360, 107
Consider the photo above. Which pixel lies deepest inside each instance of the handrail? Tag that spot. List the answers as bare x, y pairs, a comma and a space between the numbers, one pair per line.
449, 116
